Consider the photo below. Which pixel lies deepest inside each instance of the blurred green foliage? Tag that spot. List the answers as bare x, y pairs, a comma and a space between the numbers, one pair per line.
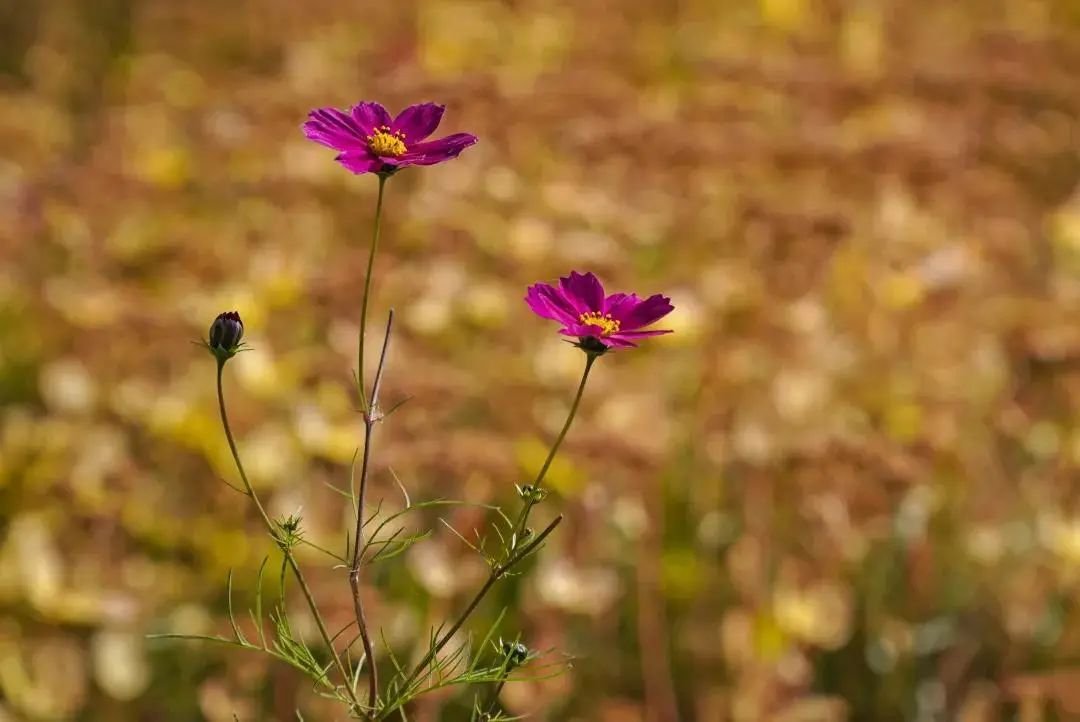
845, 489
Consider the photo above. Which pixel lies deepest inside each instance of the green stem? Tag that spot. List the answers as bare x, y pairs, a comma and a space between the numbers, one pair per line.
367, 293
371, 417
250, 491
495, 695
523, 518
515, 553
497, 573
369, 421
354, 570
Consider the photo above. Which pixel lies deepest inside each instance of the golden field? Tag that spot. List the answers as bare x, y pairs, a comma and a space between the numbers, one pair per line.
845, 489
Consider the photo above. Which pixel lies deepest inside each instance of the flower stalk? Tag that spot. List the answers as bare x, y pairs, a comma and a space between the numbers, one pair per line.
371, 417
249, 490
377, 227
534, 492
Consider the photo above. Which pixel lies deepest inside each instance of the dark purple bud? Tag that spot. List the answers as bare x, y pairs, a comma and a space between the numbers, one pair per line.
516, 653
226, 332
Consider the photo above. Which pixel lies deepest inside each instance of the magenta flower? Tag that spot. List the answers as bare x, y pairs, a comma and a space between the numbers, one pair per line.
370, 141
600, 322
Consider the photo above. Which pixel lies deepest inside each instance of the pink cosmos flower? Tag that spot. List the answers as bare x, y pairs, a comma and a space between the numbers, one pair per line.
600, 322
370, 141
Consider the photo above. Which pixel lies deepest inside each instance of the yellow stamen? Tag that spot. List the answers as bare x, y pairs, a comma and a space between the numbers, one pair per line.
383, 142
602, 321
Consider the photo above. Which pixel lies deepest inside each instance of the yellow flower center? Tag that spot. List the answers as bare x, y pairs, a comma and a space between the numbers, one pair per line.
383, 142
602, 321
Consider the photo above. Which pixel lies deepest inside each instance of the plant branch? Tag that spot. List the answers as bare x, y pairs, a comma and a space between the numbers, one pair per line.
250, 491
497, 572
371, 417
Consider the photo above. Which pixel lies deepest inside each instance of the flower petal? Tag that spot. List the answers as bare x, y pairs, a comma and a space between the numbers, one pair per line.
651, 309
369, 116
619, 304
641, 334
436, 151
584, 291
577, 330
418, 121
547, 302
360, 161
334, 129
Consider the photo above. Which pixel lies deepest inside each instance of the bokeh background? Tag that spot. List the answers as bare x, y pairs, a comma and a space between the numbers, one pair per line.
845, 489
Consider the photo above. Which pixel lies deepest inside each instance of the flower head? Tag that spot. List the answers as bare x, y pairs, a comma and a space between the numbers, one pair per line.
370, 141
601, 322
225, 334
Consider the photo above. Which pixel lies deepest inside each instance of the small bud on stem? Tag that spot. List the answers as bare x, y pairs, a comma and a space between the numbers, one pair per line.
226, 332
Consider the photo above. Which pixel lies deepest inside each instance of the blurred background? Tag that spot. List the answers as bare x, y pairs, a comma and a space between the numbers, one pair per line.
845, 489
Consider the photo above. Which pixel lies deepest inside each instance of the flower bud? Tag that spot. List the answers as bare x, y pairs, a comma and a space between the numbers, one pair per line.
288, 533
516, 654
532, 494
225, 334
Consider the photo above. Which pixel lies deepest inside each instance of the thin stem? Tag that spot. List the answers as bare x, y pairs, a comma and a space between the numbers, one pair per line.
367, 293
495, 694
373, 412
371, 417
250, 491
354, 586
497, 572
236, 454
523, 518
